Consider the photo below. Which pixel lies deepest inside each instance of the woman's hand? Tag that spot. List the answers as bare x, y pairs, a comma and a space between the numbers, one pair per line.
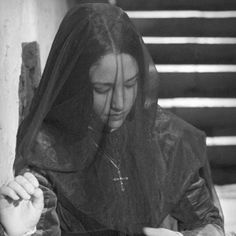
160, 232
21, 204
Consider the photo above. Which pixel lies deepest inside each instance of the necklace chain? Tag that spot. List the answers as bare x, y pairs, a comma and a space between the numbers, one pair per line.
117, 166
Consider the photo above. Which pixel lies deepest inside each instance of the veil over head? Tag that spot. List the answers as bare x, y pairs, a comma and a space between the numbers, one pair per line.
117, 179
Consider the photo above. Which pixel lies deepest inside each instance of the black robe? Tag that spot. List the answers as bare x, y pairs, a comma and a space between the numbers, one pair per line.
183, 192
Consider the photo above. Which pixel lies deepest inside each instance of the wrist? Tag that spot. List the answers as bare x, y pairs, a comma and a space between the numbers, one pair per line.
28, 233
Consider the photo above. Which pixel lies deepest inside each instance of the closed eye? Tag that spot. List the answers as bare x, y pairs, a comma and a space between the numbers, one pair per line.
131, 82
102, 88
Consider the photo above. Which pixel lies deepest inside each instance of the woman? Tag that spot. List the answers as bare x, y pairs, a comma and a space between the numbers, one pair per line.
107, 159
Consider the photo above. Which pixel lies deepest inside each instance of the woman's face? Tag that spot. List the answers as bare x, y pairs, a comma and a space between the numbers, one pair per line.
114, 79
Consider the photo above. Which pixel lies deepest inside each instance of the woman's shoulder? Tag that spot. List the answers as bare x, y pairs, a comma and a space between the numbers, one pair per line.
179, 139
167, 122
51, 151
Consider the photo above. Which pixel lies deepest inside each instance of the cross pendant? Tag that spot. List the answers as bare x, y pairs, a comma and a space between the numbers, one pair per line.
121, 180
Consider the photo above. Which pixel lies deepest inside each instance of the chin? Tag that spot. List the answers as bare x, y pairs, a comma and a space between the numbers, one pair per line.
115, 124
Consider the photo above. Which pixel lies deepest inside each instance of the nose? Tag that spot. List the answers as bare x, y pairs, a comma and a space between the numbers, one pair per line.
118, 99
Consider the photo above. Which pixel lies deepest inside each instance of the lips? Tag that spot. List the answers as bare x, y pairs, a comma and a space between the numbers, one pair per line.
117, 116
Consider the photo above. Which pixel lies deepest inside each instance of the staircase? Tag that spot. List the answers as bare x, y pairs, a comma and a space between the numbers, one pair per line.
193, 44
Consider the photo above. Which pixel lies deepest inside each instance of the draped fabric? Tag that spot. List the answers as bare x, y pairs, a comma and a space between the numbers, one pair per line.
124, 178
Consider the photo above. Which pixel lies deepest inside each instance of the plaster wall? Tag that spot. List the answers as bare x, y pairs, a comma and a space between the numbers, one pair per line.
20, 21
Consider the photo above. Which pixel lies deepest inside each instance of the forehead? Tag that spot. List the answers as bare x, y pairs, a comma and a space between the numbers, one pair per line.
113, 66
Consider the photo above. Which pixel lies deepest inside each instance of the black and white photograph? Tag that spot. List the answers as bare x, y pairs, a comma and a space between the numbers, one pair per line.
117, 118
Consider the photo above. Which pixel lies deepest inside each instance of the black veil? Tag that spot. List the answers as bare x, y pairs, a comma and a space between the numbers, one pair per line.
117, 179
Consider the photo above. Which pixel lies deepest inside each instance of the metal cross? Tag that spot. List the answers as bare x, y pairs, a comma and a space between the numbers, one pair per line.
121, 180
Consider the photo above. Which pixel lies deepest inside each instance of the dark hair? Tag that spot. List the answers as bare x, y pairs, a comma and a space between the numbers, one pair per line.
73, 106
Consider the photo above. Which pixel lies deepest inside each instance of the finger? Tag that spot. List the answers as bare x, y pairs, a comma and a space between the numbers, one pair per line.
10, 193
158, 232
23, 182
38, 199
32, 179
151, 231
19, 190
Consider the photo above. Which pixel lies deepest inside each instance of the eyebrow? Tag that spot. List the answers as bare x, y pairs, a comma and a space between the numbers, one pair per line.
111, 84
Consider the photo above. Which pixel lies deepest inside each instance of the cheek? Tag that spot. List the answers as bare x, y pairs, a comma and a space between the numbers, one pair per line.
100, 103
131, 96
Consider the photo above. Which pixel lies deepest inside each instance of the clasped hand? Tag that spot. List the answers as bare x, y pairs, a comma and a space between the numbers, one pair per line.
21, 204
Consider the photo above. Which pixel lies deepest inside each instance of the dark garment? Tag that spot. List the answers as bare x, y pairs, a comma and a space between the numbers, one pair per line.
191, 204
194, 210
